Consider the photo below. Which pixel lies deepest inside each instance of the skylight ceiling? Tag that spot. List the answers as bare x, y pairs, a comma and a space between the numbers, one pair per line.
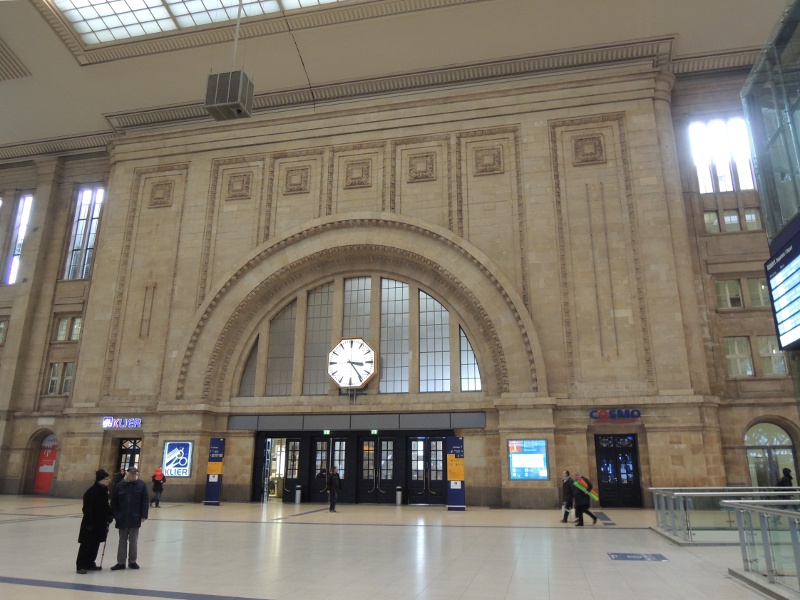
101, 21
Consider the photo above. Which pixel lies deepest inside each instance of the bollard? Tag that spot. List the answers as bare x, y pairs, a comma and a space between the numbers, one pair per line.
298, 491
398, 497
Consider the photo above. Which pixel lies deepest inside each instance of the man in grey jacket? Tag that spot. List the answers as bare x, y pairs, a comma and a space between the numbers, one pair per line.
129, 503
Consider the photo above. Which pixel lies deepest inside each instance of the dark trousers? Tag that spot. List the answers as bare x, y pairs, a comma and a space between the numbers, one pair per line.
87, 554
333, 499
581, 510
156, 498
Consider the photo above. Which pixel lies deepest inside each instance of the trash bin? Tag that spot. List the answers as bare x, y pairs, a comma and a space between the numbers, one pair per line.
398, 495
298, 492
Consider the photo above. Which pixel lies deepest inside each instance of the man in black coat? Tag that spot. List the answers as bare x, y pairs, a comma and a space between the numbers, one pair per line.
94, 525
334, 485
568, 490
130, 503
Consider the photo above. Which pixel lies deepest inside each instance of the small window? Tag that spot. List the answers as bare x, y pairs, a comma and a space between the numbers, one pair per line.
773, 361
3, 330
711, 219
738, 357
759, 294
752, 219
68, 329
732, 220
729, 294
60, 378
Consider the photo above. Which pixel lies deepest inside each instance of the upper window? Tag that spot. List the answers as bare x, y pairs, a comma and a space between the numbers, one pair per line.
416, 340
721, 154
759, 294
18, 236
3, 329
738, 357
68, 328
84, 233
729, 294
732, 220
98, 21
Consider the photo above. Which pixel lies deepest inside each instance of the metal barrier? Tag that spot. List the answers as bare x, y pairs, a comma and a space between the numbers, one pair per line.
768, 538
695, 515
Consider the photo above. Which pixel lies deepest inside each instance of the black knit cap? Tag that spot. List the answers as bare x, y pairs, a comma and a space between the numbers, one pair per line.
100, 474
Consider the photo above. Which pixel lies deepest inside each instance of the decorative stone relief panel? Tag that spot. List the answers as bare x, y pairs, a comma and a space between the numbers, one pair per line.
297, 181
295, 190
421, 167
488, 161
356, 178
239, 186
132, 363
235, 192
420, 179
588, 150
357, 174
161, 195
602, 286
485, 206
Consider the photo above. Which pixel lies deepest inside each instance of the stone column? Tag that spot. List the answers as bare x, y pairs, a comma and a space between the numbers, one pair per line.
28, 288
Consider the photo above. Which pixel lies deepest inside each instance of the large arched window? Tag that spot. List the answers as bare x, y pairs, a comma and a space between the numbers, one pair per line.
769, 451
414, 333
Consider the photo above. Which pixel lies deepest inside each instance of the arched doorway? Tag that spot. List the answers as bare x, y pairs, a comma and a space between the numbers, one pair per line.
46, 465
769, 450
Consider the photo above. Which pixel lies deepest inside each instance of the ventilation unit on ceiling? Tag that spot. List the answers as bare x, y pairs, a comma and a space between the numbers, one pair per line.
229, 96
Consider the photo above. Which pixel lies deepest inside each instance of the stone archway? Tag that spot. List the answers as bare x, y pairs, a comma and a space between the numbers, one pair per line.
474, 285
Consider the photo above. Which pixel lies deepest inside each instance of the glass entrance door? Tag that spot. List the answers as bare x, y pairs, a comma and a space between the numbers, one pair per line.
128, 454
427, 480
377, 471
320, 468
618, 471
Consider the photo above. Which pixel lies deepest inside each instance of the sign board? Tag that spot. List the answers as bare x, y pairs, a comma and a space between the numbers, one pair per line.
177, 459
527, 459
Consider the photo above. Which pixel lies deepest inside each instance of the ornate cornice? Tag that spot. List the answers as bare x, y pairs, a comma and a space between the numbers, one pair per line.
657, 52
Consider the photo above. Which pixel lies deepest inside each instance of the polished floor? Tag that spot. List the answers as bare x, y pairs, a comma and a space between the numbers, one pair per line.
281, 551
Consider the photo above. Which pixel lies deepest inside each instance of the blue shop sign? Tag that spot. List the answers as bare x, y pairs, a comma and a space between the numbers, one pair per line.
115, 423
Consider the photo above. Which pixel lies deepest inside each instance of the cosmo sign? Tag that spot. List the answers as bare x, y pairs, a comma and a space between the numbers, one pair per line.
177, 459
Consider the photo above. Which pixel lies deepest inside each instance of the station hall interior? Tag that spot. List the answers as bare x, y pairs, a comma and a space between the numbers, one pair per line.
452, 248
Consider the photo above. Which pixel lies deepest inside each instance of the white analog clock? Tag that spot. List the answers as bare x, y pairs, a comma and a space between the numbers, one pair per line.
351, 363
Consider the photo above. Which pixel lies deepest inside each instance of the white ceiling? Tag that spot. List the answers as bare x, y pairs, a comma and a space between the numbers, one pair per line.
62, 99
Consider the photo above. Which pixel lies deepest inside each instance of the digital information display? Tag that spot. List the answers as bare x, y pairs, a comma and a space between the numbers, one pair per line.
527, 459
783, 280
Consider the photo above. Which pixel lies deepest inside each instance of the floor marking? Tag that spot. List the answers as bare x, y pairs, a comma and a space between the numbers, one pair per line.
125, 591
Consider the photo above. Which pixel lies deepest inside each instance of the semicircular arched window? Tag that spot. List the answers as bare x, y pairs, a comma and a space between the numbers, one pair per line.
769, 450
421, 347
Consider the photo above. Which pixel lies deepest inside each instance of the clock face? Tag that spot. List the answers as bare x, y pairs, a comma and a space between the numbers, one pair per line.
351, 363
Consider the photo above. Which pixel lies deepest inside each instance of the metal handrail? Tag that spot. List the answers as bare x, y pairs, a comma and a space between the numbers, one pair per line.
750, 507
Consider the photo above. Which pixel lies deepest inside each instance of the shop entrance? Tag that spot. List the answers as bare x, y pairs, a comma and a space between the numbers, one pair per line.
128, 453
618, 471
372, 465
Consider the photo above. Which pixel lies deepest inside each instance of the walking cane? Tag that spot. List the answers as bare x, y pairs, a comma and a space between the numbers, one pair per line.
102, 556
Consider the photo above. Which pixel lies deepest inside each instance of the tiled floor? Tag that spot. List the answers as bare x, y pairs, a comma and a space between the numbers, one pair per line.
281, 551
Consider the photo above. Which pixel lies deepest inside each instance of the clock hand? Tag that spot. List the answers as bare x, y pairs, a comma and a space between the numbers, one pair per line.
360, 364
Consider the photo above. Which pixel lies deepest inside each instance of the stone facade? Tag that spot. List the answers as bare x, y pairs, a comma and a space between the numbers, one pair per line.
556, 216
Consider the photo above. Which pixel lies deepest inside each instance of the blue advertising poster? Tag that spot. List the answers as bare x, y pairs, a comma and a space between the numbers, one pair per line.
456, 491
177, 459
527, 459
216, 454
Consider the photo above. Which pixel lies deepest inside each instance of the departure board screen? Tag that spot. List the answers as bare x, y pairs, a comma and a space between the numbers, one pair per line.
783, 280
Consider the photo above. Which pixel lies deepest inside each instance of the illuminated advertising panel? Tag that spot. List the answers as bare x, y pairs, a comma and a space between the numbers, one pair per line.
527, 460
